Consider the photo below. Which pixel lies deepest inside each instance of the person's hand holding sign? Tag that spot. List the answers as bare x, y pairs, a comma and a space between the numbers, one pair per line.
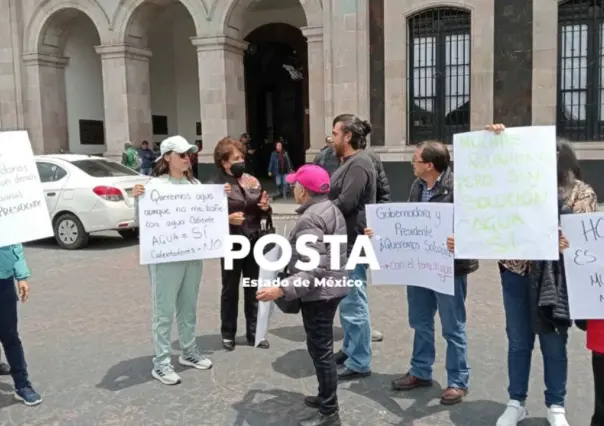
495, 128
236, 218
267, 294
263, 204
227, 188
451, 243
138, 190
368, 232
562, 242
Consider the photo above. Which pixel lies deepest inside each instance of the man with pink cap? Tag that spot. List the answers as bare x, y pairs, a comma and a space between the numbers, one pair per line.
319, 303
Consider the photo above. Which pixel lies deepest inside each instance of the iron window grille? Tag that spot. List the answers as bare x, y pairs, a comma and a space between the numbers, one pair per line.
438, 74
580, 113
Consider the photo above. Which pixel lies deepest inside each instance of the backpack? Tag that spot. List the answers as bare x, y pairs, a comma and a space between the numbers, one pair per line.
137, 162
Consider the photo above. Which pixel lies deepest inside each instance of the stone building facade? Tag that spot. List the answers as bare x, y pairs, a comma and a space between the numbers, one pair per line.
416, 68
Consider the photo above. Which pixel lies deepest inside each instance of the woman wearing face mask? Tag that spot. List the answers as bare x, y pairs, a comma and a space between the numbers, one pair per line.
248, 206
175, 285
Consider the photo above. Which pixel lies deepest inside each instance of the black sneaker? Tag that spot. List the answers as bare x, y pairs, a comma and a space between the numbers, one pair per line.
4, 369
28, 396
340, 357
319, 419
262, 345
312, 401
229, 345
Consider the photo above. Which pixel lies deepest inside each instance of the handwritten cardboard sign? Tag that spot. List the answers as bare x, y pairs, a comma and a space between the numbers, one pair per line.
182, 222
23, 212
410, 243
584, 264
506, 197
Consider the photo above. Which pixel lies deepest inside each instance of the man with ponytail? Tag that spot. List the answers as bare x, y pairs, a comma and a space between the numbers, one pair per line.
353, 186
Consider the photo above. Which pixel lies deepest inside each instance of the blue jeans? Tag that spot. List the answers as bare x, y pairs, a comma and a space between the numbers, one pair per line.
521, 340
282, 185
9, 335
146, 171
423, 304
354, 316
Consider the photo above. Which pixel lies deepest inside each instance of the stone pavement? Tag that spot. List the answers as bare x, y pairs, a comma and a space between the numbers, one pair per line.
87, 336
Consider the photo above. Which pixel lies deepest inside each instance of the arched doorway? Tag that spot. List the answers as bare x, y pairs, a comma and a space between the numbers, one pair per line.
276, 87
165, 29
67, 112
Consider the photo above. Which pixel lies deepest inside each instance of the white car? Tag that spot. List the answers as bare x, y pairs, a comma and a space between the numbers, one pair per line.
86, 194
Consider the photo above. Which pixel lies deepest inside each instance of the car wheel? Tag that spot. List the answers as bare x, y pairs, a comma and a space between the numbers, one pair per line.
70, 233
129, 234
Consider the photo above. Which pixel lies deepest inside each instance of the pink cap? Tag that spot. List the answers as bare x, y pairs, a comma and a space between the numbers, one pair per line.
312, 177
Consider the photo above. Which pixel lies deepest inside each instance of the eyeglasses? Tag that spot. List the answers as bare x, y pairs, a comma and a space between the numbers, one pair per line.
414, 161
183, 155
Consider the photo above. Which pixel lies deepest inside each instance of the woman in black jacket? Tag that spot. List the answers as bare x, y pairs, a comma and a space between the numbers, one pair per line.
248, 206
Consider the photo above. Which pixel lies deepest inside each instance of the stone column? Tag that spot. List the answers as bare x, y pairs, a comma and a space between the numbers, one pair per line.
349, 34
316, 87
221, 90
46, 104
127, 96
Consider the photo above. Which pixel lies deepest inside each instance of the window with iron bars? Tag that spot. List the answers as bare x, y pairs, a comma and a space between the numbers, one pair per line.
580, 113
439, 74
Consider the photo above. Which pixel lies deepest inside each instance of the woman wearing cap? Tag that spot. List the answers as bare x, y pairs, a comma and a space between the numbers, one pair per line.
248, 207
319, 302
175, 285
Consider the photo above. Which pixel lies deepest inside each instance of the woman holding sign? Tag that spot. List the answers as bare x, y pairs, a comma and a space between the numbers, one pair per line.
529, 299
248, 207
175, 285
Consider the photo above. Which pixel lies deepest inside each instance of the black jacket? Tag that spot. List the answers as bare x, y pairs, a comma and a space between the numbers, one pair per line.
352, 188
382, 194
444, 194
327, 159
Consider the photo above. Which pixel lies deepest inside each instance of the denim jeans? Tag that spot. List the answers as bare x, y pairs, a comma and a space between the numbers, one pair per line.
9, 335
146, 171
354, 316
282, 185
521, 340
423, 304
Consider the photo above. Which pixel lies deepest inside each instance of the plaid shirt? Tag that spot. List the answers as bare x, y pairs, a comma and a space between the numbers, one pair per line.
428, 193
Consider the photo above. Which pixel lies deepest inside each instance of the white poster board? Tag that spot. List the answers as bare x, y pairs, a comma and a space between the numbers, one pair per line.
410, 243
584, 264
23, 212
266, 309
506, 197
182, 222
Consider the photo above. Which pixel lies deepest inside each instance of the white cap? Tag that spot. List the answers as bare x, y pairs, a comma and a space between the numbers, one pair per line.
176, 144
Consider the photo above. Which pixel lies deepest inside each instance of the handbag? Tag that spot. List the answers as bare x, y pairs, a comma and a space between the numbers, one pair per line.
287, 306
266, 228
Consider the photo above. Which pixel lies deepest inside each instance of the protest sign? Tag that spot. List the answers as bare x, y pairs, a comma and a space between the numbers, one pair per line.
23, 212
506, 197
584, 264
182, 222
410, 242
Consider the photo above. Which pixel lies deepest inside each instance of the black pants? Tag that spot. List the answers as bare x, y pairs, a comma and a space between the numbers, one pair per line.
318, 322
9, 336
229, 300
597, 362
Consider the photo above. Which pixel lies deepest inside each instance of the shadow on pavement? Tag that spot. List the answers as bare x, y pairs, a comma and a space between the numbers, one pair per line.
295, 364
7, 397
270, 407
296, 333
96, 243
137, 371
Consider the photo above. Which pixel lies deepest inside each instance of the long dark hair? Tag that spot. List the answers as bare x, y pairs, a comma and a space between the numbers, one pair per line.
568, 167
162, 167
357, 127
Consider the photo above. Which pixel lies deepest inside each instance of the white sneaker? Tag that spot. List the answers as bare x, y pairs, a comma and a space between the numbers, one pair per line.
166, 375
514, 413
195, 360
556, 416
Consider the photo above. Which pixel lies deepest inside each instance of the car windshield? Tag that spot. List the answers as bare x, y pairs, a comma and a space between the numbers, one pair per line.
103, 168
